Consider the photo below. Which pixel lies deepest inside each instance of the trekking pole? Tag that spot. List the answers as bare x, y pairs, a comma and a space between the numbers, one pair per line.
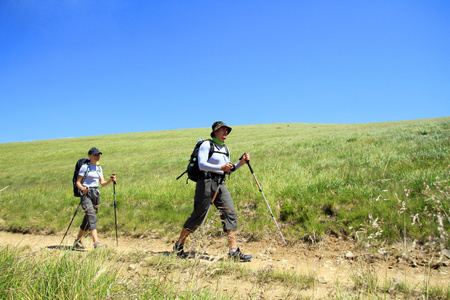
210, 204
115, 213
70, 223
260, 189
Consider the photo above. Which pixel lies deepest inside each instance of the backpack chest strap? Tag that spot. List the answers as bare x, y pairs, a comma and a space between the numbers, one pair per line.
88, 169
214, 146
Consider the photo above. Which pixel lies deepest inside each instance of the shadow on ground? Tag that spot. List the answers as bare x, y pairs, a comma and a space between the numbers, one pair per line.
69, 248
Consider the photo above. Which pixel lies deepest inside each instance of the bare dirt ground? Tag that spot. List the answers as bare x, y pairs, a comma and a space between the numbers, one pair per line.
335, 264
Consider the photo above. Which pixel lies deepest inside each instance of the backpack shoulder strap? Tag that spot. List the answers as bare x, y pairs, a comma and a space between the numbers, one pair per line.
211, 148
99, 168
88, 168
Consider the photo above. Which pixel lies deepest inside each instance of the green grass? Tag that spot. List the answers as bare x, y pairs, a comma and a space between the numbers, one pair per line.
94, 275
62, 275
318, 178
105, 274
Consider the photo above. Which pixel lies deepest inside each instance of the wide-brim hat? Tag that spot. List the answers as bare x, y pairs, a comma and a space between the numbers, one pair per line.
94, 150
217, 125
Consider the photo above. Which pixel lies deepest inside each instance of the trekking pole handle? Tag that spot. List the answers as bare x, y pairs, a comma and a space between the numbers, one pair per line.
248, 163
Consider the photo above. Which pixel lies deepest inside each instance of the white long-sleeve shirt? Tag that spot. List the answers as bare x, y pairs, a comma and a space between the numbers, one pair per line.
215, 162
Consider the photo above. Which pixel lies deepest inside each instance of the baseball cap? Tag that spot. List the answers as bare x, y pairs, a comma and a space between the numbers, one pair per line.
94, 150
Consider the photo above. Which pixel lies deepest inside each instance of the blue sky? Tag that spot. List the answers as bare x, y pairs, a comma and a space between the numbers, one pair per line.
83, 68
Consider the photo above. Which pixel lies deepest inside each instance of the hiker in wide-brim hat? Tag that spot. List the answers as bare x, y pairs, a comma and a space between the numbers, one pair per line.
212, 179
217, 125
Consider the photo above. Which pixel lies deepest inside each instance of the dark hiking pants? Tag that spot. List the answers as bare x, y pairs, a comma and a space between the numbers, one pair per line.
204, 192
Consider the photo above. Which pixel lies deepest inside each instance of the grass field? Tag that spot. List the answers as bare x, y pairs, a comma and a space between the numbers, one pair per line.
387, 181
374, 184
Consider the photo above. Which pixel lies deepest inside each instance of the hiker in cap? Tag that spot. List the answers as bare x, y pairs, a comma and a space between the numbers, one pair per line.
93, 176
213, 171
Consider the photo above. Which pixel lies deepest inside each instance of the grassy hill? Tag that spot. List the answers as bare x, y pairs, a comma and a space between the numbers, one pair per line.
372, 182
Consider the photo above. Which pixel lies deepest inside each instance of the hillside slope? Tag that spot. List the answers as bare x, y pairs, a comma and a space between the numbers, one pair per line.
374, 183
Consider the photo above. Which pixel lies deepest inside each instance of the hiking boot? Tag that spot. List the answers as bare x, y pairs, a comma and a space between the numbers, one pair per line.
77, 244
99, 245
239, 256
178, 249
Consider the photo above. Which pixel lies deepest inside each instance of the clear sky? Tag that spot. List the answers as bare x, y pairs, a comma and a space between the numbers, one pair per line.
78, 68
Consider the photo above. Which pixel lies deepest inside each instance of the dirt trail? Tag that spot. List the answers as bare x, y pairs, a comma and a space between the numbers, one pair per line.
330, 262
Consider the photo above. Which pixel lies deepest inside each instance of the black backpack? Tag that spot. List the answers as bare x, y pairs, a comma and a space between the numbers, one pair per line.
80, 162
192, 169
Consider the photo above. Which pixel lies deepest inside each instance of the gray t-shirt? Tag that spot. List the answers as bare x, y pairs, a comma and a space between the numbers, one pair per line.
93, 177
